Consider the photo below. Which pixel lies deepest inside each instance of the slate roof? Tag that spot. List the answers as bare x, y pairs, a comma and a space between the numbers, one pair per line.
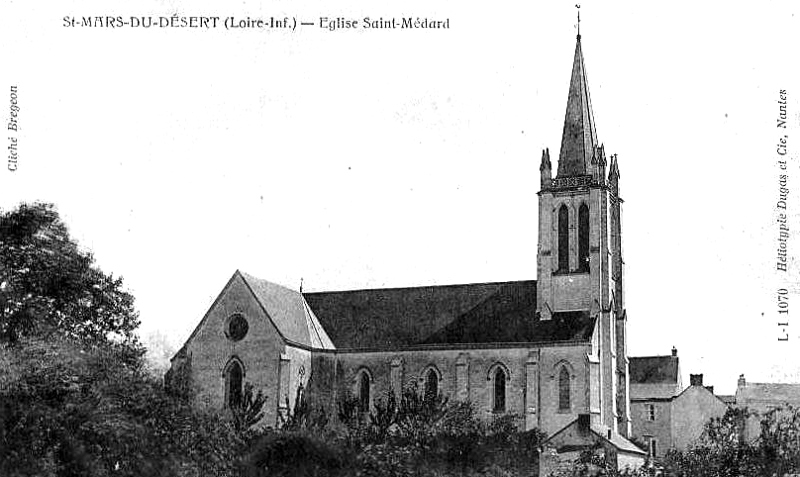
579, 139
618, 441
727, 398
653, 370
289, 312
581, 439
777, 393
479, 313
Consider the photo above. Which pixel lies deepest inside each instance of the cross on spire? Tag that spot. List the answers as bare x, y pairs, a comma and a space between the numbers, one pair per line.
578, 7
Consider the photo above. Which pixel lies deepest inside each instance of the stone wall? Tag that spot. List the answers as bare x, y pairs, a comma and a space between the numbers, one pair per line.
660, 428
690, 411
260, 351
465, 374
278, 369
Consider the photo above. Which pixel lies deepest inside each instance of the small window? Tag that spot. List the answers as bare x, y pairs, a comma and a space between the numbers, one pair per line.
651, 412
431, 385
237, 327
499, 390
653, 449
563, 389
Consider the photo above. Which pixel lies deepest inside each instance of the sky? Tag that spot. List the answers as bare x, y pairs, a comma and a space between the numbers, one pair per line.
361, 158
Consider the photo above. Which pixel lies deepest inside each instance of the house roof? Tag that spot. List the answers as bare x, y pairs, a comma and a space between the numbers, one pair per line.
778, 393
653, 370
566, 440
727, 398
617, 440
478, 313
290, 313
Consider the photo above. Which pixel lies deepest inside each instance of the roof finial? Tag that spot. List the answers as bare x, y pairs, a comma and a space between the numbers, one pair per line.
301, 284
578, 7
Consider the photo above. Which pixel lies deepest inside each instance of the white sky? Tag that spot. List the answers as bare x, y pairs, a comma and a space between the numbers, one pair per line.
380, 158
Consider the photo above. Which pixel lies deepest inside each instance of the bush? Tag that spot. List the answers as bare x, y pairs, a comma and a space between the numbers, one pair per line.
292, 453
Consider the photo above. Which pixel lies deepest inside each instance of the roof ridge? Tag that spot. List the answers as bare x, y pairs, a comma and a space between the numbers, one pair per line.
253, 277
419, 287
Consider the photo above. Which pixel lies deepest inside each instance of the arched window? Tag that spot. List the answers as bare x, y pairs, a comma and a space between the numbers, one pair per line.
563, 239
583, 238
499, 390
363, 392
234, 377
431, 385
563, 389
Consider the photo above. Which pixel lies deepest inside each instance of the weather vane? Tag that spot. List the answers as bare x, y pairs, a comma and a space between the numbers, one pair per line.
578, 6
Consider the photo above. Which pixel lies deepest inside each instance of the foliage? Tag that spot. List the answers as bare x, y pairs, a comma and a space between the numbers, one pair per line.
76, 396
48, 284
290, 453
304, 416
71, 410
725, 450
250, 410
412, 435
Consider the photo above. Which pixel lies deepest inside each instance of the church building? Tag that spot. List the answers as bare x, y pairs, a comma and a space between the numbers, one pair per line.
548, 350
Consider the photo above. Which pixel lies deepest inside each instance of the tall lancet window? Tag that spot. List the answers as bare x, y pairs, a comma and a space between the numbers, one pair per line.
583, 238
563, 239
234, 377
563, 389
363, 392
431, 385
499, 390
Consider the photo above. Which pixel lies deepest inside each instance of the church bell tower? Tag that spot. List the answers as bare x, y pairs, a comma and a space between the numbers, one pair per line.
579, 261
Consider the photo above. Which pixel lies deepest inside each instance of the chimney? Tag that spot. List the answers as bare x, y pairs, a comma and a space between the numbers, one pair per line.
741, 382
674, 351
583, 422
710, 389
695, 379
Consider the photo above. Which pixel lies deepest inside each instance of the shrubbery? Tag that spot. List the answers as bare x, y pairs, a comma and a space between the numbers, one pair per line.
413, 435
725, 450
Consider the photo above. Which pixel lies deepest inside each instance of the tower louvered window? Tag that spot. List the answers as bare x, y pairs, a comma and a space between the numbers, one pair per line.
583, 238
563, 239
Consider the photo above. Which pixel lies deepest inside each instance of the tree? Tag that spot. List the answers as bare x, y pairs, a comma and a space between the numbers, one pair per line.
76, 395
69, 409
48, 284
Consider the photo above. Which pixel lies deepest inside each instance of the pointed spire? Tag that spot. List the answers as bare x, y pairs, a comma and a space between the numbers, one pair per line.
579, 139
